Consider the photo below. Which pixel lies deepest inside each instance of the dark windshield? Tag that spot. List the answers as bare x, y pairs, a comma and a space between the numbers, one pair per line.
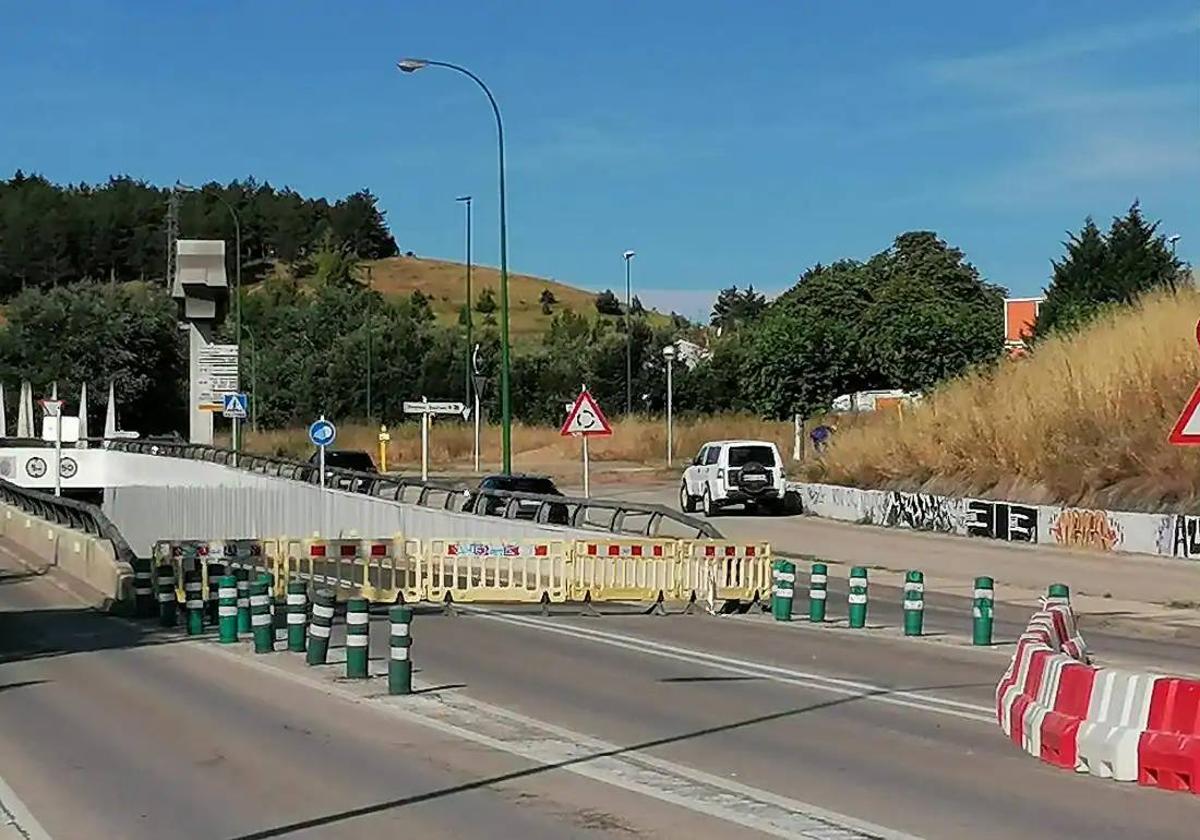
349, 460
514, 484
739, 456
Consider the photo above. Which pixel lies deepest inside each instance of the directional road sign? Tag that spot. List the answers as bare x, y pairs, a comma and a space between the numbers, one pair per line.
586, 418
235, 406
322, 433
424, 407
1187, 428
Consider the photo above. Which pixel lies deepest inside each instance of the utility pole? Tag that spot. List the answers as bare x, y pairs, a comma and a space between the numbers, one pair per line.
172, 233
629, 255
370, 337
466, 199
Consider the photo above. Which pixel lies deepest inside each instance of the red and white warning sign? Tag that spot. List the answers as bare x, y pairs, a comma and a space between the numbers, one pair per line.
586, 418
1187, 427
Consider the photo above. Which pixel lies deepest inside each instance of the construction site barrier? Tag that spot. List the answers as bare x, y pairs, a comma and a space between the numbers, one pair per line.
724, 571
625, 570
521, 570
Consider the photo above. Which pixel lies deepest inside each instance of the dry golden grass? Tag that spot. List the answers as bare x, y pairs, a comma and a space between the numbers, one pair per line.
635, 441
1084, 420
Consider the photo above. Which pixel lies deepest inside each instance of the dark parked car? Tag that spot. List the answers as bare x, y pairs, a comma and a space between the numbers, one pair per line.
345, 459
491, 505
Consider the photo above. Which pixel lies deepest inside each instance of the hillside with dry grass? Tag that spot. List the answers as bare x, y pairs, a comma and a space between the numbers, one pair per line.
1082, 420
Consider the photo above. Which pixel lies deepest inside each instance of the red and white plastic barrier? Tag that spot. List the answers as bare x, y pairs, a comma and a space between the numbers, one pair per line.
1114, 724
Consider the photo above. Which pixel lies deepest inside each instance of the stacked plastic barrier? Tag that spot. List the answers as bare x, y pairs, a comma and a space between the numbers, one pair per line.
1115, 724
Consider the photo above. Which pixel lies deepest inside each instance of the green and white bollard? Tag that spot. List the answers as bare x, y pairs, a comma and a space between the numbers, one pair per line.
227, 609
985, 587
981, 627
399, 655
260, 617
297, 615
193, 594
143, 587
168, 612
818, 581
914, 603
1058, 593
215, 571
242, 576
358, 628
320, 627
784, 590
857, 599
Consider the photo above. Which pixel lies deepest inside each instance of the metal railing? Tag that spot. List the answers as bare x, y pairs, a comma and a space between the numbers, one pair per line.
78, 516
615, 516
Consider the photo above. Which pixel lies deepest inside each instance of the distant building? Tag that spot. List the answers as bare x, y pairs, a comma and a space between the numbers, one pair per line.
691, 353
1020, 314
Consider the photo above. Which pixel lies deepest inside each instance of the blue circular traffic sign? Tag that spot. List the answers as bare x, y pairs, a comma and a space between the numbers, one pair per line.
322, 433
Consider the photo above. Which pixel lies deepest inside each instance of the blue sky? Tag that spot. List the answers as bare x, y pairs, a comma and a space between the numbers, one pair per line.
726, 142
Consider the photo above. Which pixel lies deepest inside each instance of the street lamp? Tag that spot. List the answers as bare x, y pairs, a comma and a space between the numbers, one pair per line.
411, 65
237, 301
669, 354
253, 380
628, 255
1173, 238
466, 199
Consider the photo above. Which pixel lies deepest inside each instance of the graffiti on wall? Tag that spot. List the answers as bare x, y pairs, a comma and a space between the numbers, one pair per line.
919, 511
1185, 537
1002, 521
1080, 528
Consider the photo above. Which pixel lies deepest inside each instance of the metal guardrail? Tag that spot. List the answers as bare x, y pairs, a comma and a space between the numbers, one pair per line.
608, 515
79, 516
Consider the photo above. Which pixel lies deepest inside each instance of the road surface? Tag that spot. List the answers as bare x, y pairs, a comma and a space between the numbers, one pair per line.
624, 725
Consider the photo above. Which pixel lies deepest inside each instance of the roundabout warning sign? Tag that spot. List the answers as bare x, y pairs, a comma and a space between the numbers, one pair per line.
586, 418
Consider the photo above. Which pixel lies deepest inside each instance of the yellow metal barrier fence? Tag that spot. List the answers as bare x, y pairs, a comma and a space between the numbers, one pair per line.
723, 571
511, 570
624, 570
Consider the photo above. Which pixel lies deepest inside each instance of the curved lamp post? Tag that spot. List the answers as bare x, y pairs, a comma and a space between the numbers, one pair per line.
411, 65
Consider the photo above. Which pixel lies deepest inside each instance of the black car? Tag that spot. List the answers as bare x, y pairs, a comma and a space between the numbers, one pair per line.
495, 505
355, 460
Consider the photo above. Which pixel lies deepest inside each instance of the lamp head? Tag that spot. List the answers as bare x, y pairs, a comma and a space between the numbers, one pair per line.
411, 65
629, 254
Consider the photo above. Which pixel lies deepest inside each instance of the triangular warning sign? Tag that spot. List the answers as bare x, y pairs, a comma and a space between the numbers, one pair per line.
1187, 428
586, 418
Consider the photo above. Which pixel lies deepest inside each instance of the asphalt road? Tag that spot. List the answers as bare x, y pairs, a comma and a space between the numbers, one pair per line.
524, 726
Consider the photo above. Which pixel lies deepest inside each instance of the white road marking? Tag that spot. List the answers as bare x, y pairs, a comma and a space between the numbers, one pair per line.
573, 752
806, 679
15, 819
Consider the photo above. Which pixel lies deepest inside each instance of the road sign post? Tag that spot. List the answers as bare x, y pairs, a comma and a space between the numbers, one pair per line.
585, 419
233, 406
426, 410
322, 434
1186, 431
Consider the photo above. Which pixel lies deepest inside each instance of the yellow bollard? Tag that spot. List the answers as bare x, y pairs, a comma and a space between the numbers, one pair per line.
384, 437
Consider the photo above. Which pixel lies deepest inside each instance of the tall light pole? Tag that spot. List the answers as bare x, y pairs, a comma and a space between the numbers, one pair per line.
411, 65
1173, 238
669, 354
237, 285
628, 255
253, 379
370, 341
466, 199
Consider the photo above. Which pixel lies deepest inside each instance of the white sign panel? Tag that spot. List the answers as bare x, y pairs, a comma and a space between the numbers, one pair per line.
218, 375
434, 408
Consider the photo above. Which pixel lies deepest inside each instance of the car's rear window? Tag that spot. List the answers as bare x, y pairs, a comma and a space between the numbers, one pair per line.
349, 460
739, 456
544, 486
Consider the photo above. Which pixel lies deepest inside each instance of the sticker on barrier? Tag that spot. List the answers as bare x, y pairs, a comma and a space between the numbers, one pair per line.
511, 570
723, 570
624, 570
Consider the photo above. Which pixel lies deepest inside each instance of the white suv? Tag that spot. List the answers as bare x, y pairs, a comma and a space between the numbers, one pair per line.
732, 472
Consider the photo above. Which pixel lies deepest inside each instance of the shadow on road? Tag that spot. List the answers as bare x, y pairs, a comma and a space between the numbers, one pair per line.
43, 633
466, 787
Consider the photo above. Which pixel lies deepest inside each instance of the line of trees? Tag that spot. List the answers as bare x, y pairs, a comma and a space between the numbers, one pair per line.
52, 235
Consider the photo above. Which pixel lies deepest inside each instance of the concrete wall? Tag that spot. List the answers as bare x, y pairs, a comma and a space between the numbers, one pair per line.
90, 559
276, 507
33, 467
1168, 534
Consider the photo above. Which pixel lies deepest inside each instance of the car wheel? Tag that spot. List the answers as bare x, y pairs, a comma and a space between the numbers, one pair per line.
687, 502
710, 509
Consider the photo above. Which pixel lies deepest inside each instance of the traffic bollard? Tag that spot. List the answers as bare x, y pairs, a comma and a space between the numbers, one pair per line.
818, 580
297, 615
784, 590
227, 609
193, 603
985, 587
857, 600
319, 628
143, 587
260, 617
400, 644
1058, 593
243, 599
167, 606
214, 572
914, 603
981, 629
358, 627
